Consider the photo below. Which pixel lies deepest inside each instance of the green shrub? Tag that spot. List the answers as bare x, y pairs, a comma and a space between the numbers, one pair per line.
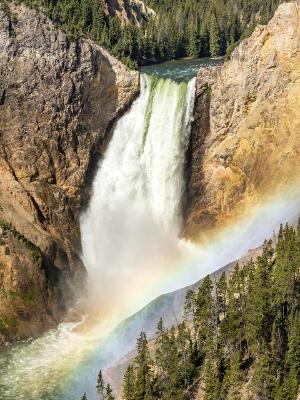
34, 250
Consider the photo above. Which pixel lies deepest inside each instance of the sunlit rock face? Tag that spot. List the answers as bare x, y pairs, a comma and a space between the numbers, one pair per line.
245, 137
58, 102
133, 11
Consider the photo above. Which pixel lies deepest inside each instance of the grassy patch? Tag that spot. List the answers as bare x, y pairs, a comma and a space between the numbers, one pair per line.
7, 323
35, 252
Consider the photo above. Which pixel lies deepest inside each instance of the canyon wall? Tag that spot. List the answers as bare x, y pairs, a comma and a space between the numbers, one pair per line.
245, 136
58, 102
134, 11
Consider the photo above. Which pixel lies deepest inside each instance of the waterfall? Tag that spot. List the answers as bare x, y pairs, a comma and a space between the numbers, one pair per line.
131, 247
134, 215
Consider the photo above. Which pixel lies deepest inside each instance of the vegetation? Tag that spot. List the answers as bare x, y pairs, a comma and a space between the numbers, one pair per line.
190, 28
35, 252
242, 331
7, 323
200, 28
104, 392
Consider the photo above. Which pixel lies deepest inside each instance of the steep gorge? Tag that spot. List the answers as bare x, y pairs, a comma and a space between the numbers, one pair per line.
58, 103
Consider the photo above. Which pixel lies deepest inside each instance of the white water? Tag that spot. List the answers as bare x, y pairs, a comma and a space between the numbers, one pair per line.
134, 216
129, 236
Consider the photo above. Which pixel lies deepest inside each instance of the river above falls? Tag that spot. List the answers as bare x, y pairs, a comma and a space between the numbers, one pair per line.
180, 70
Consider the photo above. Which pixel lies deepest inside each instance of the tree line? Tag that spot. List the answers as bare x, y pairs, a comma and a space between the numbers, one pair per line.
240, 333
201, 28
189, 28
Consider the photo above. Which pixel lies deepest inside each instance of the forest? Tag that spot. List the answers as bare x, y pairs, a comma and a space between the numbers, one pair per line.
189, 28
239, 333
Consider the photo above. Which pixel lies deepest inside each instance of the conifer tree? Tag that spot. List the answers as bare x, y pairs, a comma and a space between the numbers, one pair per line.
214, 37
129, 384
204, 309
100, 386
143, 369
109, 393
221, 292
263, 381
234, 378
190, 308
210, 378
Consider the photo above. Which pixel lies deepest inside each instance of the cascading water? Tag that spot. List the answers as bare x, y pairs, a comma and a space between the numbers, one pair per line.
129, 231
134, 216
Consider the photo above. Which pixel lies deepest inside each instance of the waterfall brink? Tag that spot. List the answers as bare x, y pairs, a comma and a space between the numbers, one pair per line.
134, 216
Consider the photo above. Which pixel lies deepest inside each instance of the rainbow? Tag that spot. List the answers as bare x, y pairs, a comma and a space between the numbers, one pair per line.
64, 362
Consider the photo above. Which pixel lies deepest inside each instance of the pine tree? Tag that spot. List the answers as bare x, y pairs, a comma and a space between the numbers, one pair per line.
214, 37
259, 310
187, 356
293, 358
204, 309
263, 381
167, 362
100, 386
129, 384
221, 289
193, 41
143, 369
109, 393
234, 378
210, 378
190, 307
99, 24
84, 397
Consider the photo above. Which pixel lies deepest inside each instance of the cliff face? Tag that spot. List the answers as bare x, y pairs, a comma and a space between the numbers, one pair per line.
134, 11
58, 101
245, 137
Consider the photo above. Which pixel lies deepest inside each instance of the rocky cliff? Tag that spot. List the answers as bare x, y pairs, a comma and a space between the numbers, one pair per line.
58, 102
134, 11
245, 137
